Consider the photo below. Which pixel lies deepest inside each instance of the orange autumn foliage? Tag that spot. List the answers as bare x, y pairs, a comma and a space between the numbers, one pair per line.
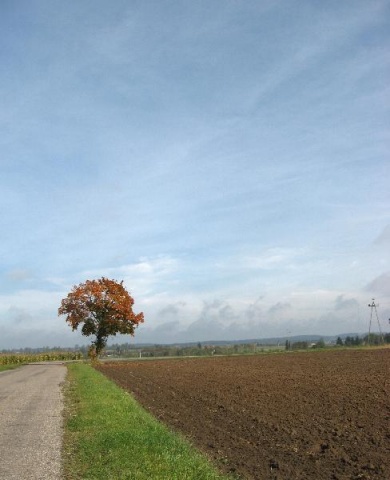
103, 307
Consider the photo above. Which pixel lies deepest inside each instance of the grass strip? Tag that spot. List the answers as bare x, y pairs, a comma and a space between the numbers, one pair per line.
109, 436
9, 367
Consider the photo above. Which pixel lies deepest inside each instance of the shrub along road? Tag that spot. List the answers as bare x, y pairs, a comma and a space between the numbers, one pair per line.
31, 422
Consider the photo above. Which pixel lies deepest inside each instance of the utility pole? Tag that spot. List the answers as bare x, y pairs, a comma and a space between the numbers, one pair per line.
373, 306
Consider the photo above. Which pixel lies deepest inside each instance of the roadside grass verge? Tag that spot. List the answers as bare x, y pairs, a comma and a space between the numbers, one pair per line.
108, 435
9, 367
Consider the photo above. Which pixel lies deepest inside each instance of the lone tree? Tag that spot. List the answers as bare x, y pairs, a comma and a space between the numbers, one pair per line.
103, 307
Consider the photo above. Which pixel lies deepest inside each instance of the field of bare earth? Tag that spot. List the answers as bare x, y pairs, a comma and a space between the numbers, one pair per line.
319, 415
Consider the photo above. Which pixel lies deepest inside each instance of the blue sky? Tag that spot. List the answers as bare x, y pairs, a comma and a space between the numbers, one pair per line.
228, 160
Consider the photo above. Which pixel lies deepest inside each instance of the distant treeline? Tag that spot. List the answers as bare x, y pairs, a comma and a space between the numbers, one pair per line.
127, 350
371, 339
197, 350
349, 341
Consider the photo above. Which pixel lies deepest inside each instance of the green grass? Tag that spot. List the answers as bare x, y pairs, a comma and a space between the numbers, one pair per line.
8, 367
109, 436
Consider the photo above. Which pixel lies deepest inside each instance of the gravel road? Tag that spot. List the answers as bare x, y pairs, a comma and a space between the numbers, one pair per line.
31, 422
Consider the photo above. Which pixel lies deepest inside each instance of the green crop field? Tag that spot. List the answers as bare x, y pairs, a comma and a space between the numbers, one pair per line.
20, 359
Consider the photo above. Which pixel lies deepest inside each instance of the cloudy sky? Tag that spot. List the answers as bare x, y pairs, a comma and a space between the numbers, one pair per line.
228, 160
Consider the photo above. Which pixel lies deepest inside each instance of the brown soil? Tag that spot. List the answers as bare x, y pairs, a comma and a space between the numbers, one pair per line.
319, 415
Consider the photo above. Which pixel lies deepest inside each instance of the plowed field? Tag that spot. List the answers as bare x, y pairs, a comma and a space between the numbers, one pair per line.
321, 415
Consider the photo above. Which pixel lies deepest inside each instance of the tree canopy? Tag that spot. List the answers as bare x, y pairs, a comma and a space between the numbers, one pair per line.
103, 307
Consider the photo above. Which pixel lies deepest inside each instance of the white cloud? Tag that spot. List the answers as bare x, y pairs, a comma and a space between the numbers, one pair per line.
145, 277
30, 300
380, 286
170, 318
18, 275
272, 258
280, 309
383, 240
342, 303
